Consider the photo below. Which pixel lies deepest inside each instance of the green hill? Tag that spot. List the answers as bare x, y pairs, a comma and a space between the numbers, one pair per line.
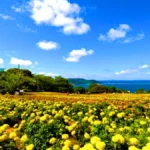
79, 81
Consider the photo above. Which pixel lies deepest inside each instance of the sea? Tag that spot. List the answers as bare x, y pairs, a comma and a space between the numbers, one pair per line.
130, 85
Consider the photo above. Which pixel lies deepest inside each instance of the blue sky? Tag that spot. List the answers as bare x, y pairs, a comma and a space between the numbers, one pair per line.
92, 39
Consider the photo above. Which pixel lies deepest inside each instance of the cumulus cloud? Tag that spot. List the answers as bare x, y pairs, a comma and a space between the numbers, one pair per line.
6, 17
75, 55
48, 74
120, 33
1, 61
16, 61
47, 45
60, 13
131, 71
114, 34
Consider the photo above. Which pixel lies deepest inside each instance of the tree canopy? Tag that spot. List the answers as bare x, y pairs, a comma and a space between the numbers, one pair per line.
15, 79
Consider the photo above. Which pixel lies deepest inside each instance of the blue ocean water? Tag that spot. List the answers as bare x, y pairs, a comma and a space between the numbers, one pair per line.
130, 85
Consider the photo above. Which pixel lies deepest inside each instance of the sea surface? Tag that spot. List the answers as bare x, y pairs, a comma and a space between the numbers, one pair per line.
130, 85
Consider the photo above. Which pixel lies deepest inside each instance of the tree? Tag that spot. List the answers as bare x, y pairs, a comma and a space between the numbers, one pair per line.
140, 91
24, 72
62, 85
97, 88
14, 79
80, 90
112, 89
44, 83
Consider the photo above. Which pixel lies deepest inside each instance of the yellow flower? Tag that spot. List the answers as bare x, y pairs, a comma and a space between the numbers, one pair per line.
148, 130
148, 138
121, 129
52, 140
143, 122
105, 120
148, 145
12, 135
49, 148
111, 130
65, 136
100, 145
88, 146
145, 148
24, 138
133, 141
65, 148
121, 115
73, 132
97, 122
133, 148
2, 138
112, 113
43, 118
76, 147
86, 136
94, 139
102, 114
80, 113
70, 128
118, 138
30, 147
67, 143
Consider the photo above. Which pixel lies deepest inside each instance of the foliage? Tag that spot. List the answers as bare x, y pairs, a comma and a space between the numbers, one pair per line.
15, 79
80, 90
140, 90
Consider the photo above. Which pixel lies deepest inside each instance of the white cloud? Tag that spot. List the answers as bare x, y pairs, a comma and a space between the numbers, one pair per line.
60, 14
6, 17
16, 61
136, 38
48, 74
128, 71
144, 66
51, 74
75, 55
114, 34
41, 73
120, 33
16, 9
131, 71
47, 45
1, 61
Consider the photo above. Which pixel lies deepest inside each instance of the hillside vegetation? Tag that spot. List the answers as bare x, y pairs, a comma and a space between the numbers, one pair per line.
15, 79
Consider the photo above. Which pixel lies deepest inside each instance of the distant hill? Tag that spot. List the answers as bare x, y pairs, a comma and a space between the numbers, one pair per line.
78, 81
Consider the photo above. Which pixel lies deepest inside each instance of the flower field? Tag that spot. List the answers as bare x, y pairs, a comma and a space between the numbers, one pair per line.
75, 122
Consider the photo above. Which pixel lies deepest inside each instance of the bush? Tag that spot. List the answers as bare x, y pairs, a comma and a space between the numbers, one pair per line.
80, 90
140, 91
3, 91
